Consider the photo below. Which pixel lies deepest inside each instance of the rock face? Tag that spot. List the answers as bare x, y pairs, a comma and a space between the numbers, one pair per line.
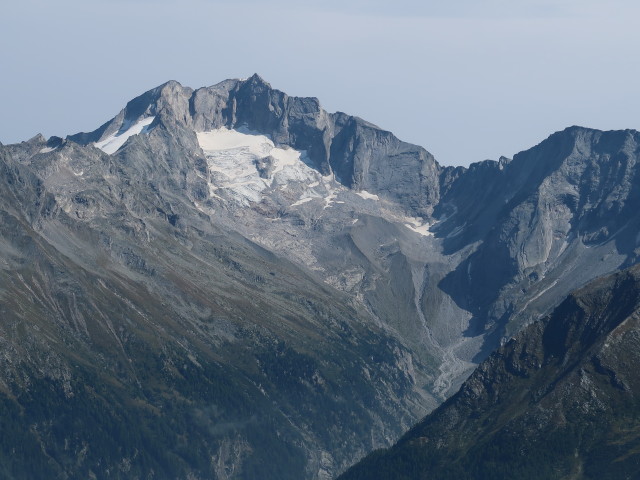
555, 217
362, 156
237, 269
560, 400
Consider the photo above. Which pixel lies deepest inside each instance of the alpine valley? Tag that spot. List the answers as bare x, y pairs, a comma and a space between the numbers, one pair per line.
231, 283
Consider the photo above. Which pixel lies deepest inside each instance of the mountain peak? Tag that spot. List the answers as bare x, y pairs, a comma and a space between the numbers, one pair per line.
256, 84
256, 79
170, 84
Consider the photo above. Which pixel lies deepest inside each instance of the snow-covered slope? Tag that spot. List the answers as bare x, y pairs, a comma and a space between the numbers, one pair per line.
112, 143
245, 163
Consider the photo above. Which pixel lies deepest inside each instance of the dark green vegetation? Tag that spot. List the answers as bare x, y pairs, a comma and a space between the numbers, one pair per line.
559, 401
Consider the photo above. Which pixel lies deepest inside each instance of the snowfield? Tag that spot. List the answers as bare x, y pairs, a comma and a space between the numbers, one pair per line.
367, 196
419, 226
245, 163
112, 143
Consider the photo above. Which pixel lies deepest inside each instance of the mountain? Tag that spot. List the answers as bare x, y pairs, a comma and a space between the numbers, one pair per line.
247, 286
558, 215
144, 339
559, 400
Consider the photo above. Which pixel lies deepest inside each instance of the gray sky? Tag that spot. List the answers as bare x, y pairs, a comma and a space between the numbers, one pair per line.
466, 79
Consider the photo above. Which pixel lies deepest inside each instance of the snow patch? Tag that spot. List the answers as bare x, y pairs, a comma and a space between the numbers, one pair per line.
303, 201
367, 196
329, 199
112, 143
418, 226
332, 190
47, 149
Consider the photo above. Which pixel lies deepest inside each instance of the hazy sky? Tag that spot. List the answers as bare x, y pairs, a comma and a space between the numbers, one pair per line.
467, 79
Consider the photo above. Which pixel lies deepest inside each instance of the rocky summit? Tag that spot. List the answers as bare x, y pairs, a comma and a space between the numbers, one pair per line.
233, 283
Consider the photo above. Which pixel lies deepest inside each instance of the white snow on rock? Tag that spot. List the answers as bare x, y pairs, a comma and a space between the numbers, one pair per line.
224, 139
418, 226
47, 149
237, 157
367, 196
329, 199
285, 158
112, 143
301, 202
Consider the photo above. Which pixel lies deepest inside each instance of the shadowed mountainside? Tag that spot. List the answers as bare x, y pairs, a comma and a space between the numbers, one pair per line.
557, 401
